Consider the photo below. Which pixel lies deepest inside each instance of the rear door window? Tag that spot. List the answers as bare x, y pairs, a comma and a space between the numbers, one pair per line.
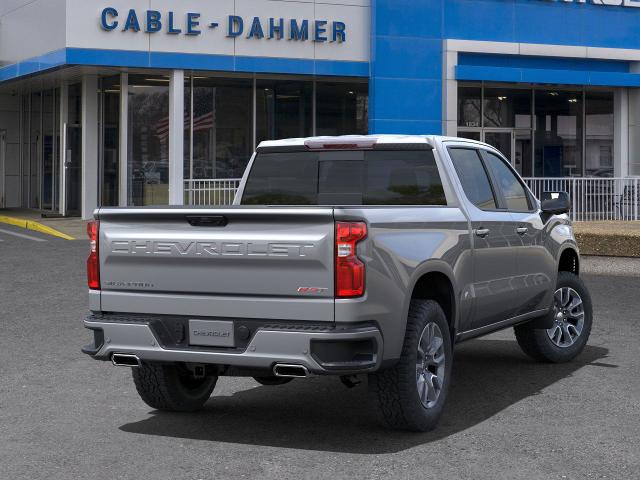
376, 177
473, 177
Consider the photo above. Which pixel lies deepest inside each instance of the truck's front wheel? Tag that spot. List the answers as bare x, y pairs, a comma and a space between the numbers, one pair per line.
573, 317
172, 387
412, 394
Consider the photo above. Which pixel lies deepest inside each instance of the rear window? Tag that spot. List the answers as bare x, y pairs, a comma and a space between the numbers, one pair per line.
376, 177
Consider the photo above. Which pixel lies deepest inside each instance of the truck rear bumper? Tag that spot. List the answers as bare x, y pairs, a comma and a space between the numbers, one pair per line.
330, 350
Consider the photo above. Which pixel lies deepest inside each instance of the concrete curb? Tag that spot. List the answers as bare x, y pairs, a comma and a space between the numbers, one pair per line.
35, 226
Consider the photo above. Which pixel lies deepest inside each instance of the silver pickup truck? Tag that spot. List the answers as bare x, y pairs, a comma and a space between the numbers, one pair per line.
341, 256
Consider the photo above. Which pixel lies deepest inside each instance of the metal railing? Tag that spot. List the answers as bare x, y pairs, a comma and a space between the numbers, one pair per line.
594, 198
213, 191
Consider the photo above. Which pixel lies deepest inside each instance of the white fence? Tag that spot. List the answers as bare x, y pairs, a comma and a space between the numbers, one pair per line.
216, 191
594, 198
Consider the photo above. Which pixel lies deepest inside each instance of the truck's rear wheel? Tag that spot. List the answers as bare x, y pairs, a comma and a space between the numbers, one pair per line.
412, 394
172, 387
573, 317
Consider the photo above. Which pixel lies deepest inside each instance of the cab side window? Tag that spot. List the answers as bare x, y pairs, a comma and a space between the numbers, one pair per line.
514, 193
473, 177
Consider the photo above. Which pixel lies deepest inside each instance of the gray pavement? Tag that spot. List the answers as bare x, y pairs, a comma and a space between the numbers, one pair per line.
64, 416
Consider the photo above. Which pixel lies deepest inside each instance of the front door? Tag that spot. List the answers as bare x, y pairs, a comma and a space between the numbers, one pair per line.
3, 152
536, 265
494, 240
73, 170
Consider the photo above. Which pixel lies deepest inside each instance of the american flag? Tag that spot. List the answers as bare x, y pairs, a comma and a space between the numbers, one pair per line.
203, 122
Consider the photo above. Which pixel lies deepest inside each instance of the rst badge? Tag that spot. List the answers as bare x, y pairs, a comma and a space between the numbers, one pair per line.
312, 290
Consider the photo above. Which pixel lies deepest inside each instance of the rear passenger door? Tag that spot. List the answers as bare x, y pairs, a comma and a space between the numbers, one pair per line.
494, 252
536, 265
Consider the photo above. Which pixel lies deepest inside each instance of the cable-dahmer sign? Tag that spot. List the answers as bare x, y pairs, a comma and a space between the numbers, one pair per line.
192, 23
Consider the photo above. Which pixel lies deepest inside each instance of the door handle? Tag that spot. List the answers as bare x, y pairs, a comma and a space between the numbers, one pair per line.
522, 230
482, 232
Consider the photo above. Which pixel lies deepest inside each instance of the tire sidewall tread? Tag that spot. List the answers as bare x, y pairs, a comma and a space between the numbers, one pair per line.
535, 342
394, 391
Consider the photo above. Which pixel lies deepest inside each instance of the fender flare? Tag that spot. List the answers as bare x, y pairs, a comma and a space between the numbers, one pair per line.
433, 266
568, 245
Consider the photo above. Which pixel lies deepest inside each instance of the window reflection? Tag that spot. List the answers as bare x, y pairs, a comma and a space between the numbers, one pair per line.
148, 140
222, 127
283, 109
341, 108
558, 136
469, 106
599, 134
110, 90
507, 107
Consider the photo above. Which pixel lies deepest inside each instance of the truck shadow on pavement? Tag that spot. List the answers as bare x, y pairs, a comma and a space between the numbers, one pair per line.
320, 414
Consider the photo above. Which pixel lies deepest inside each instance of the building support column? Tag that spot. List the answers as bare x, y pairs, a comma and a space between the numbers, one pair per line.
449, 92
621, 133
176, 138
62, 148
123, 175
90, 173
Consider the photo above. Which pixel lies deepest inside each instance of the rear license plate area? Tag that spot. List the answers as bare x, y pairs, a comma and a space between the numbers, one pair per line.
211, 333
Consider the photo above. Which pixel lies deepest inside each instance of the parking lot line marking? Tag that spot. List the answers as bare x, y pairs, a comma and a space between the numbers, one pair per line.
22, 235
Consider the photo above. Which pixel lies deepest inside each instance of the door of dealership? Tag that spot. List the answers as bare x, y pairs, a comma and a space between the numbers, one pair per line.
515, 144
545, 131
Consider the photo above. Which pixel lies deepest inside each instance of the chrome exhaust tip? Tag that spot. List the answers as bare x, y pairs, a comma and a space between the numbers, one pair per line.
290, 371
125, 360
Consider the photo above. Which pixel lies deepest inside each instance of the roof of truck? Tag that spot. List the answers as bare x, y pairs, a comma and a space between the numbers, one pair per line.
358, 140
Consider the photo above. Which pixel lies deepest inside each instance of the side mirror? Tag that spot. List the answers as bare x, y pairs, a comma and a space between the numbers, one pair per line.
555, 203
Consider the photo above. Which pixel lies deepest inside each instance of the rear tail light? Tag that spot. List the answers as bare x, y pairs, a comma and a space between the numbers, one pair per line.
93, 265
349, 269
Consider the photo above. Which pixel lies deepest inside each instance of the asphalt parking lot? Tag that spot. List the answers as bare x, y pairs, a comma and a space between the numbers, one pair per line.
64, 416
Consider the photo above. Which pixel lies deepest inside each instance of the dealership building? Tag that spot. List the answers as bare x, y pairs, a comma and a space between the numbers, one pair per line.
147, 102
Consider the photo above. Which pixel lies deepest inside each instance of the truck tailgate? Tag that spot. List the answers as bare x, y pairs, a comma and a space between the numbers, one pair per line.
235, 261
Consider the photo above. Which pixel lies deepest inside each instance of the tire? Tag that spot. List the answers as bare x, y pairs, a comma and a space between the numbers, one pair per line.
568, 336
269, 381
172, 387
395, 391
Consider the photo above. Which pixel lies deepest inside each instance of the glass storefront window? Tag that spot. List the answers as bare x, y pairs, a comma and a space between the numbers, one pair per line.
75, 104
110, 90
49, 163
222, 127
73, 155
558, 136
341, 108
31, 187
283, 109
507, 107
148, 140
469, 106
570, 133
599, 134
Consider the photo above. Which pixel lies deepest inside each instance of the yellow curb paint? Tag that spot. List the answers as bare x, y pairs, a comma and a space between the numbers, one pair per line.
35, 226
